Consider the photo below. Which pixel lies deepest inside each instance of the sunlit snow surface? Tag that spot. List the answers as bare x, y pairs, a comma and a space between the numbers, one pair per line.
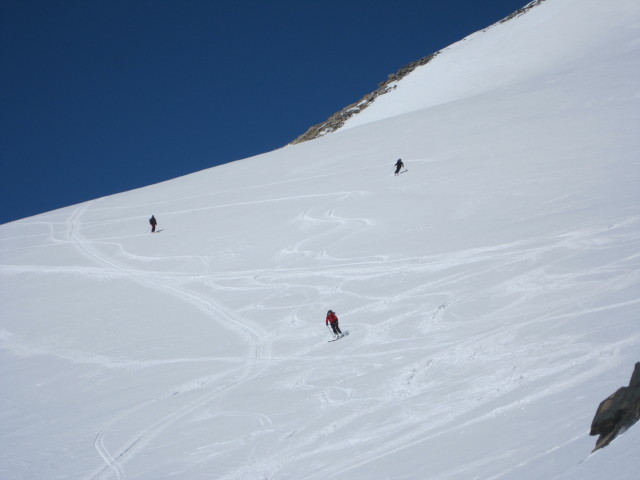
491, 293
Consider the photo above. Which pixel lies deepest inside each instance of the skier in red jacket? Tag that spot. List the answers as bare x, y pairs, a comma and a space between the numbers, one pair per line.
332, 319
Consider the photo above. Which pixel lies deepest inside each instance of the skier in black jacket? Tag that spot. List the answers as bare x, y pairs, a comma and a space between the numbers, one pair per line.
153, 223
399, 166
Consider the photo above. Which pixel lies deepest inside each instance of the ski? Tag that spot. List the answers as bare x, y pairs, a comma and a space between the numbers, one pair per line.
343, 334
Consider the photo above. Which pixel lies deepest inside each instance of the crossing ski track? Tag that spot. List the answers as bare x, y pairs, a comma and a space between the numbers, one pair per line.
451, 269
445, 281
253, 336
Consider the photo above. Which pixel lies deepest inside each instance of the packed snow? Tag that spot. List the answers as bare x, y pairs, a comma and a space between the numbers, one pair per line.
490, 293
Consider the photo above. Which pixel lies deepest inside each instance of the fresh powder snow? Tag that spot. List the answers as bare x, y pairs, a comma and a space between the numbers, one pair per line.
491, 293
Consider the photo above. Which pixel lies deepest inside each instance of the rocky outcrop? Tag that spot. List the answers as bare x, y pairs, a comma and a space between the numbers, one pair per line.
618, 412
522, 11
337, 120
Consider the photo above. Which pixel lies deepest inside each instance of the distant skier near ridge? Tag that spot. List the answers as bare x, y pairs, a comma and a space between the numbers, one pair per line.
399, 166
153, 223
332, 319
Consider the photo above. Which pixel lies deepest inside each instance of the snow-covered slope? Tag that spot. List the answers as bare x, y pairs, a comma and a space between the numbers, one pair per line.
490, 293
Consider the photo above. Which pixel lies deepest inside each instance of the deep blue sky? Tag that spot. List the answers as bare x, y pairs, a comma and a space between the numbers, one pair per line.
103, 96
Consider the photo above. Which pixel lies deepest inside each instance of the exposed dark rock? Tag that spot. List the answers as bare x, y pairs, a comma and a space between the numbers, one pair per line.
522, 11
617, 412
337, 120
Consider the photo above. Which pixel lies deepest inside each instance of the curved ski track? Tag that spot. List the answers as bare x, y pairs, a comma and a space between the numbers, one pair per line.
253, 335
450, 270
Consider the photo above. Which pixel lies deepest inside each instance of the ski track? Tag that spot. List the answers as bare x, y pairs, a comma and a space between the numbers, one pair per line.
106, 456
450, 270
497, 257
253, 337
448, 424
584, 360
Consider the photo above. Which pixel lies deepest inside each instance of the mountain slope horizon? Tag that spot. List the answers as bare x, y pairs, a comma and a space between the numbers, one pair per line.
338, 119
489, 293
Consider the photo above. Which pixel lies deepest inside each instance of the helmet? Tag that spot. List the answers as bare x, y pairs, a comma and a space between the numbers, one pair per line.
330, 312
